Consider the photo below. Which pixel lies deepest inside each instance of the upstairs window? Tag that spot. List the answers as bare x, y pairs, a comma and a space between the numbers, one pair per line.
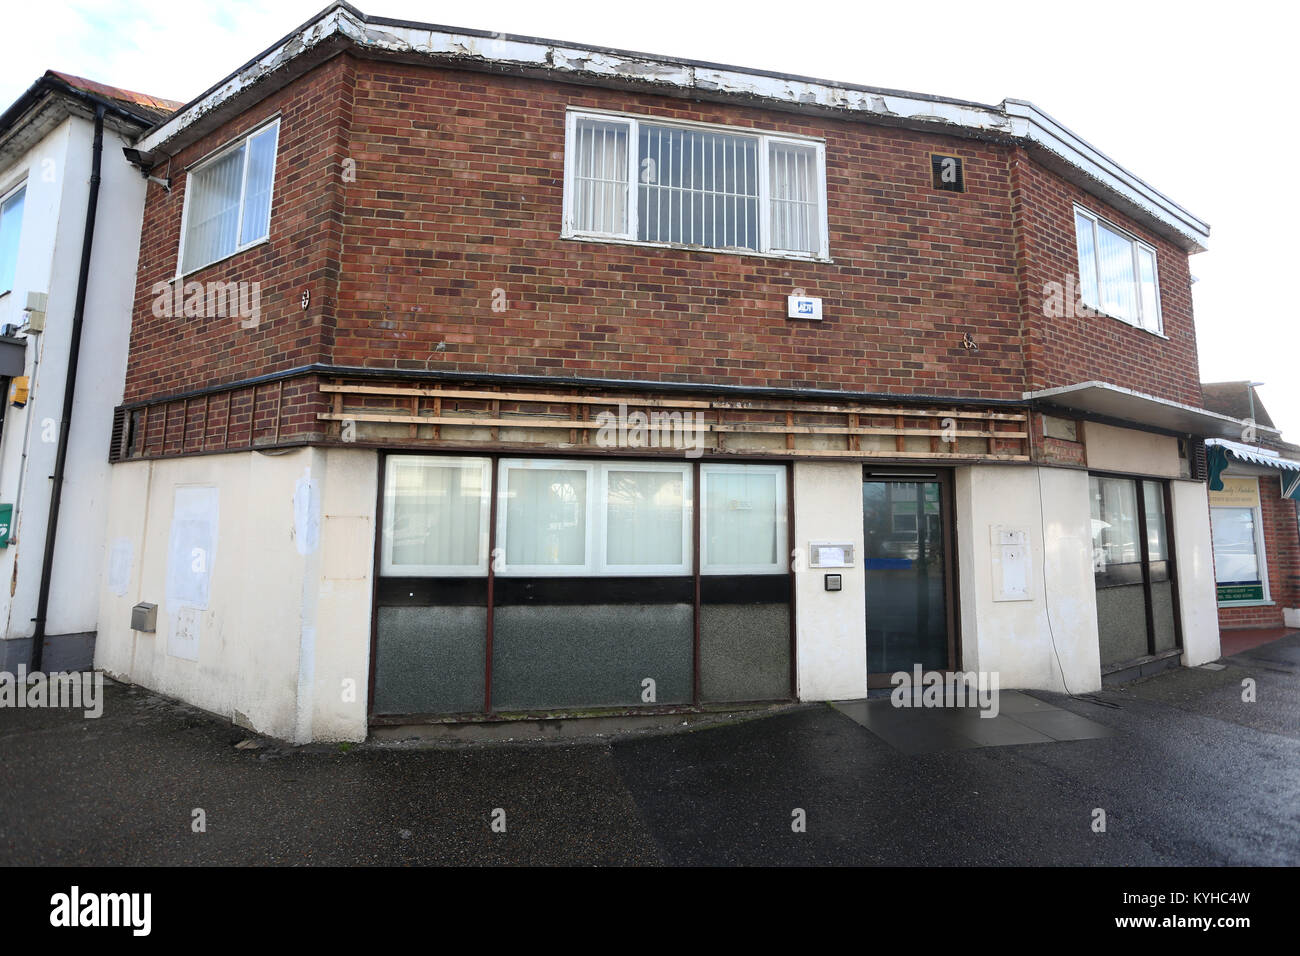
1117, 273
228, 200
11, 224
677, 184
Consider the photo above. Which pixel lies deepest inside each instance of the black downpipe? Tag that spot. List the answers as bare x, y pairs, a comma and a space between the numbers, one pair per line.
69, 391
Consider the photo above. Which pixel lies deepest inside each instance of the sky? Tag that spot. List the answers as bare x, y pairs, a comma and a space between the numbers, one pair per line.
1196, 99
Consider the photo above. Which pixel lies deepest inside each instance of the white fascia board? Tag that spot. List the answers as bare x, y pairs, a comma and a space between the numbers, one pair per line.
1032, 124
1014, 120
1115, 401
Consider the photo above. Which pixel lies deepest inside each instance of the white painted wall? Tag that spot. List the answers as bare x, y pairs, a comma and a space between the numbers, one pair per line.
830, 625
57, 175
287, 623
1130, 451
1050, 641
1194, 565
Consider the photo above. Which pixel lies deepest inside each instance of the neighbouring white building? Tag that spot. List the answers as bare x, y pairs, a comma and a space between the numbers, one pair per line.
49, 139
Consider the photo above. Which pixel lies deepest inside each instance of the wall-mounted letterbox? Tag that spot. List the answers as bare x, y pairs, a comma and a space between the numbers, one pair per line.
144, 617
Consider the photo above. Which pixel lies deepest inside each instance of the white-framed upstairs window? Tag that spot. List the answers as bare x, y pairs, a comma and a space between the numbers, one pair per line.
11, 227
436, 516
228, 200
671, 183
1117, 272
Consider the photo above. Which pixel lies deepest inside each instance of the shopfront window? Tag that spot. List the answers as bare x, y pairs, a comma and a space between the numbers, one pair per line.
1239, 566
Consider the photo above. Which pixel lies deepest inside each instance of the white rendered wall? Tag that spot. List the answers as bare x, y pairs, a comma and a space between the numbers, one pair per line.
830, 625
1194, 565
284, 643
57, 175
1048, 642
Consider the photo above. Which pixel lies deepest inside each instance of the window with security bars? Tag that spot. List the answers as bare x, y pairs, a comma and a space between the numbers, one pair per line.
692, 185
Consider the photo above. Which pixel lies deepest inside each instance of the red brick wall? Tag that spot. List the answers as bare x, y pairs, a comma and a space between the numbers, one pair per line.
1070, 349
1282, 556
458, 192
177, 354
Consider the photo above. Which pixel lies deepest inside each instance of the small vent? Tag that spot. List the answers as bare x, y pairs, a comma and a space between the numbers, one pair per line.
119, 441
948, 173
1199, 469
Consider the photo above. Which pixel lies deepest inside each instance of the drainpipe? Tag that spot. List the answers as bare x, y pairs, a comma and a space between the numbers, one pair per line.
69, 390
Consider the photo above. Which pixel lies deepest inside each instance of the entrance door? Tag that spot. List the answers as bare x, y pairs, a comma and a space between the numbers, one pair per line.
907, 563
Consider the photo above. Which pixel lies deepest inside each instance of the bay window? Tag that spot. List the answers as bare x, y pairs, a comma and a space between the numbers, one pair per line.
1117, 273
228, 200
639, 180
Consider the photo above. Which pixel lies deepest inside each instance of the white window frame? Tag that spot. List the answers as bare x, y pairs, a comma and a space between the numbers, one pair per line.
4, 198
1261, 557
208, 160
765, 139
387, 568
503, 566
1136, 244
631, 570
781, 565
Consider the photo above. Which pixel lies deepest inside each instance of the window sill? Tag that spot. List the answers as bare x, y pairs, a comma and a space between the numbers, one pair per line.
181, 276
1106, 315
681, 247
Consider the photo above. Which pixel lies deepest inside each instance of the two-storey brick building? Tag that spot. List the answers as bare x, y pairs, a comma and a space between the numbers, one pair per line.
475, 375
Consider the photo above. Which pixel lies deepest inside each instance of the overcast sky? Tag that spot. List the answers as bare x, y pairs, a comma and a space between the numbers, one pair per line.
1195, 99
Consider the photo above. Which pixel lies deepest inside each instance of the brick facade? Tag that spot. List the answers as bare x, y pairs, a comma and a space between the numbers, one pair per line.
458, 192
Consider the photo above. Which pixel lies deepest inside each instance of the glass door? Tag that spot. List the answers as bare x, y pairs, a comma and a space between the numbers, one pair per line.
906, 561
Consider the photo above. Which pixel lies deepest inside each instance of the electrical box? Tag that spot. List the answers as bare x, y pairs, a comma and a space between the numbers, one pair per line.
1012, 562
19, 390
34, 312
144, 617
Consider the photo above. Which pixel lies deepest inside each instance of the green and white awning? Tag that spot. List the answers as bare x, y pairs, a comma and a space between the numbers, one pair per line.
1220, 453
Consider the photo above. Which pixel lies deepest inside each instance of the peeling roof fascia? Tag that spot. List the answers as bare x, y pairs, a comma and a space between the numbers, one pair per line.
1014, 121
